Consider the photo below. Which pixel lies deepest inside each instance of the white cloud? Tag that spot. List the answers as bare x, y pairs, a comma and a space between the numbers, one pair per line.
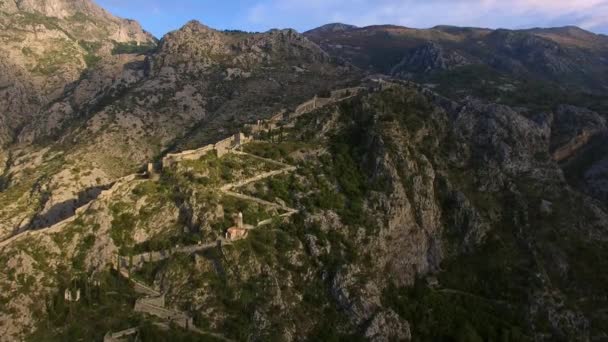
591, 14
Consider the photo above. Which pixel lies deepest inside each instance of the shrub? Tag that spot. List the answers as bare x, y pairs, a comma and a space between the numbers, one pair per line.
132, 47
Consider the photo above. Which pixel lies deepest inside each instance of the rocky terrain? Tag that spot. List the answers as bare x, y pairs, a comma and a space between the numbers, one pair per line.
47, 45
569, 56
144, 104
455, 189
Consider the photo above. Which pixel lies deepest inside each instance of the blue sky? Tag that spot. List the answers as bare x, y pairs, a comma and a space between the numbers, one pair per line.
162, 16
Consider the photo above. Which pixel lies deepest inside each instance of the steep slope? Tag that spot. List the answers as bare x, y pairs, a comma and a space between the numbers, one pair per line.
383, 212
542, 70
419, 217
46, 45
569, 56
132, 108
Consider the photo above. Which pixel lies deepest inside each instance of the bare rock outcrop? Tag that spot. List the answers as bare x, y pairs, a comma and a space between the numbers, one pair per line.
428, 58
362, 305
572, 129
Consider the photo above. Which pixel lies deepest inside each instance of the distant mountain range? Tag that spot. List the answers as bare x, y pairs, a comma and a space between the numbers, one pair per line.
454, 189
570, 56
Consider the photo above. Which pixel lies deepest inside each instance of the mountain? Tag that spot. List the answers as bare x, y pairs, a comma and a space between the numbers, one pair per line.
47, 45
198, 85
568, 57
541, 69
414, 216
349, 183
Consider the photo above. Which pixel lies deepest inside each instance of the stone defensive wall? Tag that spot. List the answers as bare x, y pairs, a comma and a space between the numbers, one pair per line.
278, 117
308, 106
311, 105
139, 260
172, 158
148, 306
346, 92
222, 147
60, 225
121, 335
317, 102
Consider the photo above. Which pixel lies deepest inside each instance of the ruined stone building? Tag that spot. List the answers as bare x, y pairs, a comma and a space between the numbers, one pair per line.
69, 296
239, 230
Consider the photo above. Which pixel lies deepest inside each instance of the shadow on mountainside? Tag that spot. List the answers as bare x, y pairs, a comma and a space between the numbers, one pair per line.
66, 209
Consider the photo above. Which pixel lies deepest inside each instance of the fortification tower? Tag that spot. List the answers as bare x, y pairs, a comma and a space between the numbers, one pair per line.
239, 220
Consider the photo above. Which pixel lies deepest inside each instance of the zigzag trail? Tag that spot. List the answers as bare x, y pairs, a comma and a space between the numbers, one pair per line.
306, 107
153, 302
150, 303
137, 261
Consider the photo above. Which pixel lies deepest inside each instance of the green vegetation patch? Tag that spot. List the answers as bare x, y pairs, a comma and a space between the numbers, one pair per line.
286, 187
91, 47
487, 83
102, 309
63, 53
123, 226
439, 315
279, 151
213, 171
132, 48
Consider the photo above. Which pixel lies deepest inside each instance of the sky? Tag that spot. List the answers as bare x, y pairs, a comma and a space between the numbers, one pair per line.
162, 16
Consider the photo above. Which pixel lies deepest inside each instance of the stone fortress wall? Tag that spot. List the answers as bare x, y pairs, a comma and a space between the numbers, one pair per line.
150, 306
121, 335
306, 107
317, 102
172, 158
222, 147
154, 302
105, 194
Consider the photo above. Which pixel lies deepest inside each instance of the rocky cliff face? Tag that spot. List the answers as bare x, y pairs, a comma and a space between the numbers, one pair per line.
197, 81
428, 58
47, 45
397, 188
469, 175
548, 55
422, 214
118, 29
54, 8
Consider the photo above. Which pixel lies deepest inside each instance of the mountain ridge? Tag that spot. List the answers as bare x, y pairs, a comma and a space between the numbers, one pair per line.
443, 184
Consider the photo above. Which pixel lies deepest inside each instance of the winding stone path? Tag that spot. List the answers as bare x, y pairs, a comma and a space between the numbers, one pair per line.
226, 189
136, 262
153, 303
257, 178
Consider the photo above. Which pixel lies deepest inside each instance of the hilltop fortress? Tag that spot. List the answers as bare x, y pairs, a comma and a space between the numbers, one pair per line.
222, 147
239, 139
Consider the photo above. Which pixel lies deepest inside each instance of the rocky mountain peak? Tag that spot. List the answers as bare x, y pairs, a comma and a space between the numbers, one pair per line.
194, 26
207, 46
48, 44
54, 8
194, 41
